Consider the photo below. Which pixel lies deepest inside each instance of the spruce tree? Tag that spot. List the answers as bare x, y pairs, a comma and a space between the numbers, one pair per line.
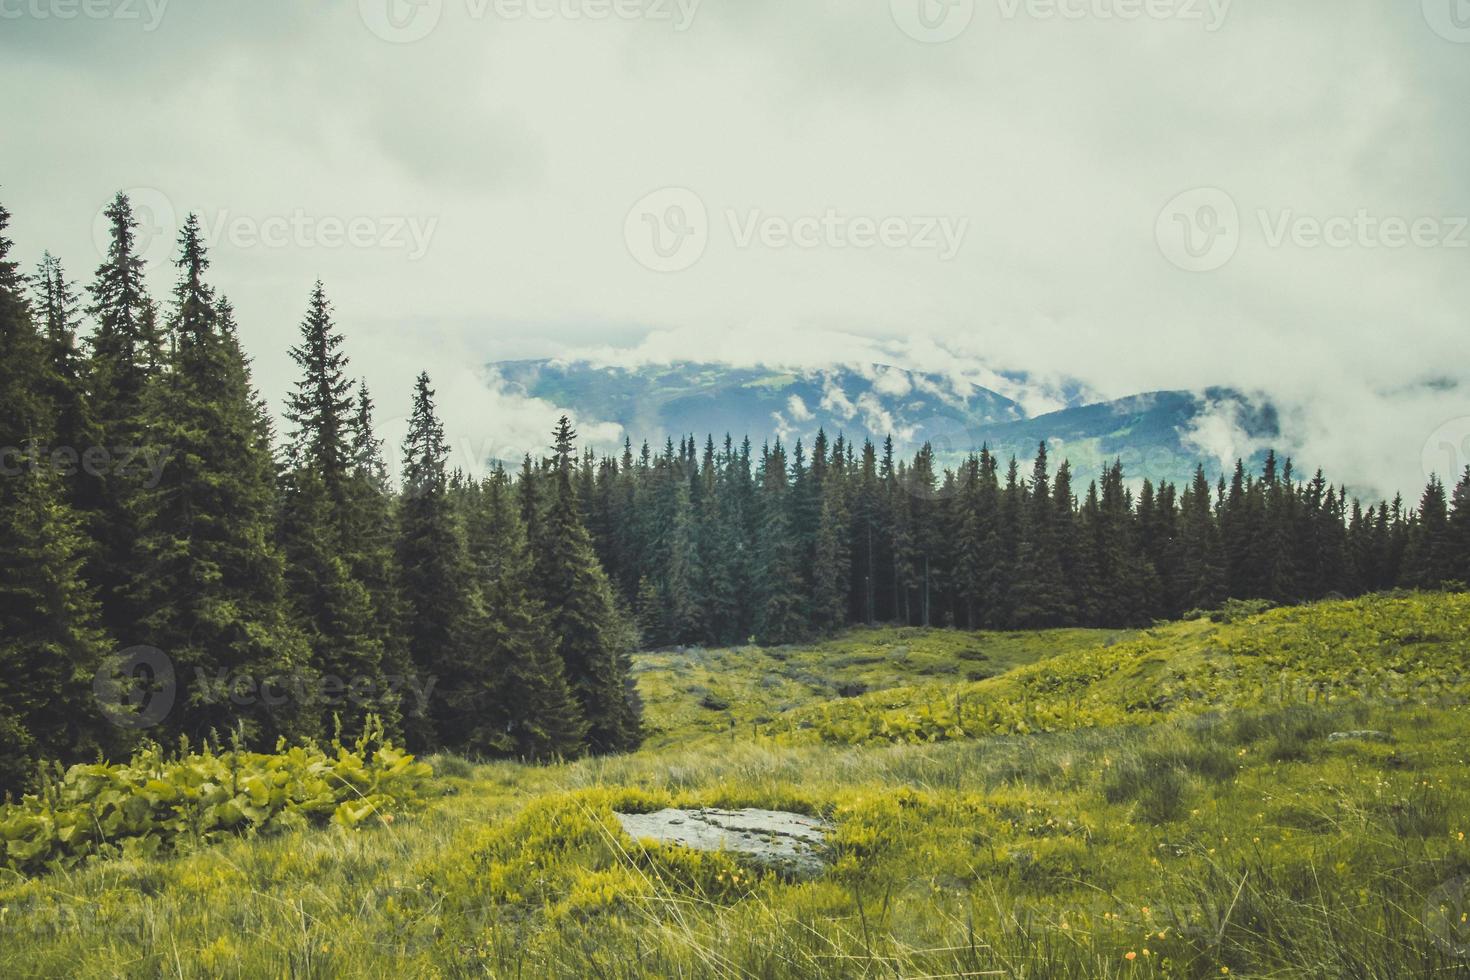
592, 634
1459, 531
1040, 590
719, 545
124, 353
317, 529
208, 579
50, 643
58, 312
778, 617
1430, 561
369, 540
831, 565
509, 693
321, 408
433, 569
1201, 568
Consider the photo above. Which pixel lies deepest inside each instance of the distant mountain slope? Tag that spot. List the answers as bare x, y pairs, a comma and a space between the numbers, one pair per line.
1161, 435
655, 401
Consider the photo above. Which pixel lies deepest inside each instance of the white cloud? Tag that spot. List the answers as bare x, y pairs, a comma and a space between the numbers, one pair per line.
878, 419
529, 141
892, 381
1218, 433
798, 409
835, 400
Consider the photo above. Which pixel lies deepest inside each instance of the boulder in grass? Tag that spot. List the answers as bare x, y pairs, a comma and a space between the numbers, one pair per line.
791, 844
1360, 736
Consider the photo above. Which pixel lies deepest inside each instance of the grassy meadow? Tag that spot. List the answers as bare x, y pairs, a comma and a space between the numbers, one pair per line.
1249, 794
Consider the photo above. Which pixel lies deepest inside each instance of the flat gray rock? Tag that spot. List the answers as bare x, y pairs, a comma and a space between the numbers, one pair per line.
791, 843
1361, 736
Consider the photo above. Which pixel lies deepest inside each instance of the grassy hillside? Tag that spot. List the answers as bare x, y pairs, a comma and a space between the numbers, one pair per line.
1167, 803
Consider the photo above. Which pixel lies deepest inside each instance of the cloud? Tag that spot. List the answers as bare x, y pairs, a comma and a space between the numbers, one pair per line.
878, 419
1218, 432
835, 400
529, 141
798, 409
892, 381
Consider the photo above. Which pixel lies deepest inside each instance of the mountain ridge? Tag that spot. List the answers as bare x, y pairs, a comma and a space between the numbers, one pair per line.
1159, 435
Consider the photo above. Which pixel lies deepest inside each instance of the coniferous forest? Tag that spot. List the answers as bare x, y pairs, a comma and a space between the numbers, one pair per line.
148, 501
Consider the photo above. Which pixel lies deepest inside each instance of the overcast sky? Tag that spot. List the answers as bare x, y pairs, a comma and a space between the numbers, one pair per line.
1140, 194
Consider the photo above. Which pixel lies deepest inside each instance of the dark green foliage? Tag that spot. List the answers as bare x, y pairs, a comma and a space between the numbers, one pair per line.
497, 617
50, 643
592, 634
509, 695
433, 563
207, 579
333, 533
125, 352
778, 615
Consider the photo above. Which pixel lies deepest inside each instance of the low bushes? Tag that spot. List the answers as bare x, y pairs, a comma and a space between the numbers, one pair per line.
158, 802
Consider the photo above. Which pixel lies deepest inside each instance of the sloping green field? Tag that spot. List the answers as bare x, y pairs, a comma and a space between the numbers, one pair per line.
1092, 804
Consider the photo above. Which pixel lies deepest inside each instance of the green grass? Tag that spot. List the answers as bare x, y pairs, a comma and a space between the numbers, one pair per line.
696, 692
1188, 804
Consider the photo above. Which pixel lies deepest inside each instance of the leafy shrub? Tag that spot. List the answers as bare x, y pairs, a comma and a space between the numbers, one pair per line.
155, 803
1234, 610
